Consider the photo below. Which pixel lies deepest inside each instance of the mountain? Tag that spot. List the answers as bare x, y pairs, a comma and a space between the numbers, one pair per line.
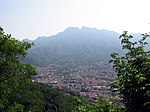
79, 46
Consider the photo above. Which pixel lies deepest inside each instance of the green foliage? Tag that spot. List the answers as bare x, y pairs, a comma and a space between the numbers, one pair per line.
102, 105
41, 98
133, 70
14, 75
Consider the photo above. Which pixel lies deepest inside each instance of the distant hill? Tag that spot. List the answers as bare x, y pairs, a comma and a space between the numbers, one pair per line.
79, 46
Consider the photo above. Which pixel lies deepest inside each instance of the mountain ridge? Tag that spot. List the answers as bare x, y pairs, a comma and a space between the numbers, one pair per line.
74, 45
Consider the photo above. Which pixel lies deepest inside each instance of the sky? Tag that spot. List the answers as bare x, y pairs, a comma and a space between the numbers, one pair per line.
33, 18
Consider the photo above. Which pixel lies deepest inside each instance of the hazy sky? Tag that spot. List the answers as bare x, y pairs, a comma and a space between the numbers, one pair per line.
33, 18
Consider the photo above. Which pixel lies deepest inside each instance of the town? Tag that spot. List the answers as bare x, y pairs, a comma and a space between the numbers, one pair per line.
91, 81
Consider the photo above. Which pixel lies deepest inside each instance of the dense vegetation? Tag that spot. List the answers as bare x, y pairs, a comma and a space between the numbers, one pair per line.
133, 82
14, 74
41, 98
102, 105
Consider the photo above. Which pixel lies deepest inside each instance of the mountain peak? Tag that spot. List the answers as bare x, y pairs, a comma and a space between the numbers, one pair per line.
72, 28
88, 28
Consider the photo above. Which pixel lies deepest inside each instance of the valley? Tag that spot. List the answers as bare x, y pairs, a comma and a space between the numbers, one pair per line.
76, 60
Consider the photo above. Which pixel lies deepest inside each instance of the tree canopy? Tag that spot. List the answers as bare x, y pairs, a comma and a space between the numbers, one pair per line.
14, 74
133, 70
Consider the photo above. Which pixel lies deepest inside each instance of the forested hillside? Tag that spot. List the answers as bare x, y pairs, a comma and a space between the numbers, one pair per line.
78, 46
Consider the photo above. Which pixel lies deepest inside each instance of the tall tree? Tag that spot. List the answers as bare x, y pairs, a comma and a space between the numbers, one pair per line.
14, 74
133, 70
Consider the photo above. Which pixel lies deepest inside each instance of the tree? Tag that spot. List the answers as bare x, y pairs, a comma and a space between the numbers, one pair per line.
133, 70
102, 105
14, 74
